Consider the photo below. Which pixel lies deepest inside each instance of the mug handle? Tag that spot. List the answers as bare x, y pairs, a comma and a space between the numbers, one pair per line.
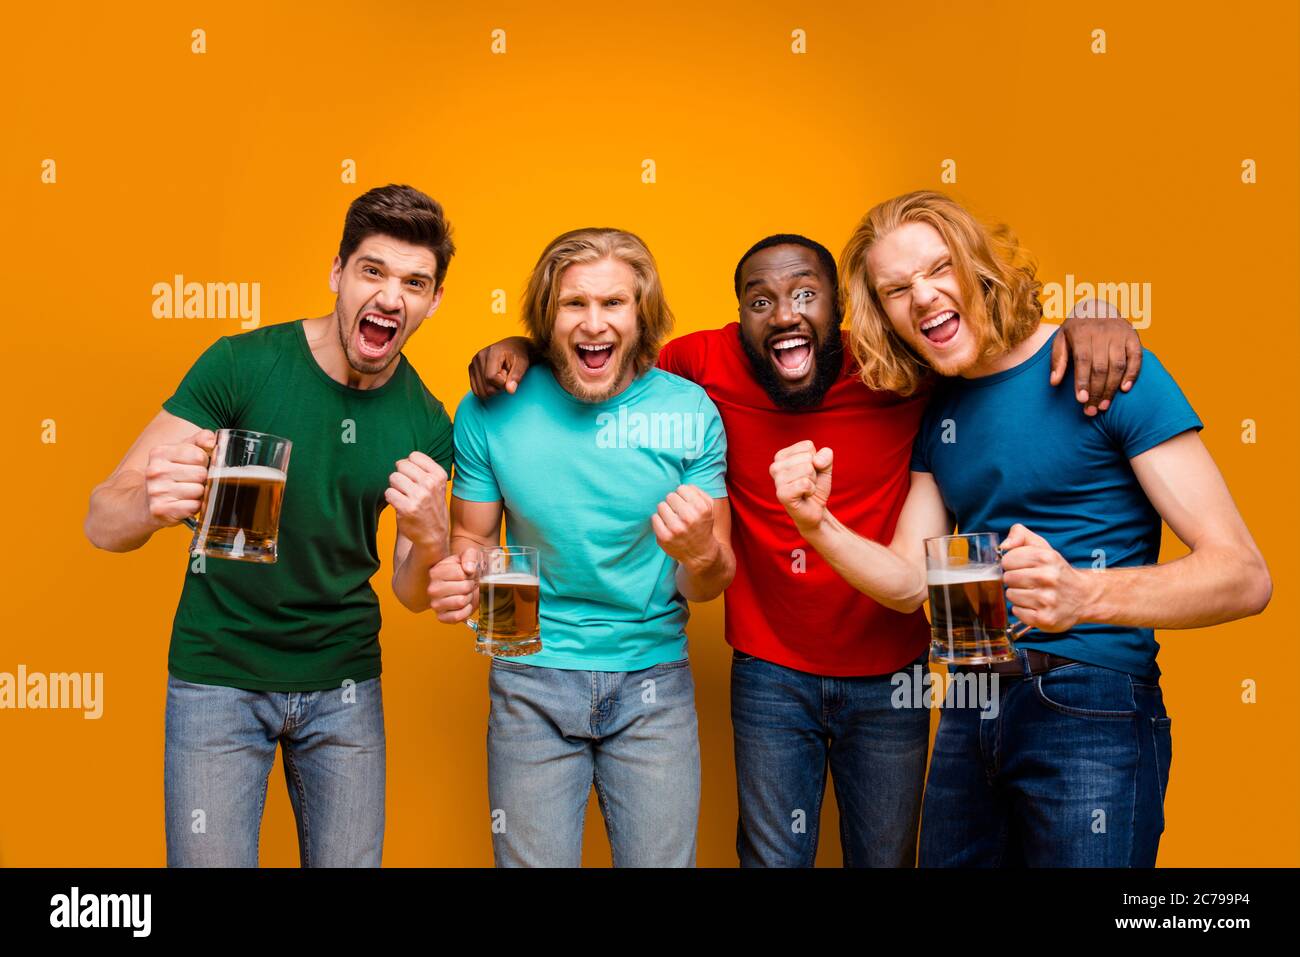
189, 522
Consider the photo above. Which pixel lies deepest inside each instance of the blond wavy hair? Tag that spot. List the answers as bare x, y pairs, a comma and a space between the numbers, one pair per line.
994, 273
590, 245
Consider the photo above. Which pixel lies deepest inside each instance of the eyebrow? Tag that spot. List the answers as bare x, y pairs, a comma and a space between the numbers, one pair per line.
890, 280
797, 274
379, 262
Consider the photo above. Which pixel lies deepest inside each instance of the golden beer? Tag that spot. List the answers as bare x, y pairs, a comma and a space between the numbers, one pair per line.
968, 614
241, 512
507, 613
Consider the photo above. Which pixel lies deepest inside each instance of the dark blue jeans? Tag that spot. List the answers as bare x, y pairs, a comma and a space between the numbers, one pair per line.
789, 726
1071, 772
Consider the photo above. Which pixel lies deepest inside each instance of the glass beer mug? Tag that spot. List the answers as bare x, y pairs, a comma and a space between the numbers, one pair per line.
240, 514
968, 609
509, 583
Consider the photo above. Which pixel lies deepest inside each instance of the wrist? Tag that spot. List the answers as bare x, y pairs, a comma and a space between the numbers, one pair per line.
1093, 607
701, 564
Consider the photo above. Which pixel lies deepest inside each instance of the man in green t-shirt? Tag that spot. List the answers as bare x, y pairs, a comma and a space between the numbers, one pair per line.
288, 653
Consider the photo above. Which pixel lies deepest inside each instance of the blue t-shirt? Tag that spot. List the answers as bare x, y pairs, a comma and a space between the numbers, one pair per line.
1010, 448
580, 480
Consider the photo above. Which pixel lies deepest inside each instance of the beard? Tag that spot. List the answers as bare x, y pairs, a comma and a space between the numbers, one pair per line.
827, 363
561, 360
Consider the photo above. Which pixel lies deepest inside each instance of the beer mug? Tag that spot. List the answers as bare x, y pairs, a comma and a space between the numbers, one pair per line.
509, 582
968, 609
240, 514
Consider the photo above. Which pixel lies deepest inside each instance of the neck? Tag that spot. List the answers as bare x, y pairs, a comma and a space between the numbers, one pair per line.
323, 339
1012, 357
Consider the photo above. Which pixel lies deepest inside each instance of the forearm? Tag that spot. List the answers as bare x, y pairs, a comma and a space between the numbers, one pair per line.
868, 566
411, 579
704, 579
1209, 586
118, 519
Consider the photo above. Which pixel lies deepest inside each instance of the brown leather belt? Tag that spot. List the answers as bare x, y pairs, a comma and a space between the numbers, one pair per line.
1039, 662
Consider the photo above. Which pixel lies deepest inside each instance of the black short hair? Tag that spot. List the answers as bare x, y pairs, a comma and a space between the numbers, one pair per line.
791, 239
404, 213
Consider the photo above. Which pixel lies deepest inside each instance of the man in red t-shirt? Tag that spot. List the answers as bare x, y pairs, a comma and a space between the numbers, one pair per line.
814, 660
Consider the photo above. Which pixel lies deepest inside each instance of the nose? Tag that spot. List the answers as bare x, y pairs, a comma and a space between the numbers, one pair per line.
389, 297
783, 314
923, 295
593, 319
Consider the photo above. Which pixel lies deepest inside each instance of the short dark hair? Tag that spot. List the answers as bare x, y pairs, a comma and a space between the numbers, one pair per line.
404, 213
791, 239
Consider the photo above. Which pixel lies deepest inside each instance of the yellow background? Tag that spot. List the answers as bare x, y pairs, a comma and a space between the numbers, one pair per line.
225, 166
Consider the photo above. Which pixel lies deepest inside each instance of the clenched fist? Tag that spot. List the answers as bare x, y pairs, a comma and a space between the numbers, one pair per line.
418, 493
683, 524
453, 586
802, 474
175, 477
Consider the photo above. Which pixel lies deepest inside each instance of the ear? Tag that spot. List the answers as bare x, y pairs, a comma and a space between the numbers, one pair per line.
336, 270
433, 305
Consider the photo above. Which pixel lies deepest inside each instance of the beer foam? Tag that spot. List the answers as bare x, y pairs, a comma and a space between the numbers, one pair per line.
510, 578
263, 472
962, 574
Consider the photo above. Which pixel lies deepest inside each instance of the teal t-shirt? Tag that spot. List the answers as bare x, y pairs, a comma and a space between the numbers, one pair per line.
309, 621
580, 480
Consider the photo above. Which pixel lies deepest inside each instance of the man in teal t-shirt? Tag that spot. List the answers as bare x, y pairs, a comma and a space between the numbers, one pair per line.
288, 653
615, 471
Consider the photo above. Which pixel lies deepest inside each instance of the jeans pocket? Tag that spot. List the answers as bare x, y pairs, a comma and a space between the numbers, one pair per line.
1164, 752
1087, 691
740, 658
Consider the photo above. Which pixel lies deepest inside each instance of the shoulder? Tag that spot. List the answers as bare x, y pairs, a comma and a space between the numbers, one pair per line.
662, 382
691, 349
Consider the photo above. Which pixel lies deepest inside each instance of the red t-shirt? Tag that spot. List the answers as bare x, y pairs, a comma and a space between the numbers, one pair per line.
787, 605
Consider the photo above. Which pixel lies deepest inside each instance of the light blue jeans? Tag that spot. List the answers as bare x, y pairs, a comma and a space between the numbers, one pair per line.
553, 733
220, 748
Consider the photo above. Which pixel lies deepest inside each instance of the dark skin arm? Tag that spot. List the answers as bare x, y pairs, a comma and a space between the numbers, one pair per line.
1107, 354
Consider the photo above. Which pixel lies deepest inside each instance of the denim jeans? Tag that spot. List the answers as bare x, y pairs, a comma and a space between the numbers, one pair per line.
789, 726
1071, 772
553, 733
220, 748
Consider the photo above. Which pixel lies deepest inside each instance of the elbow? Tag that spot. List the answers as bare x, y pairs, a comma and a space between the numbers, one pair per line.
1258, 590
907, 605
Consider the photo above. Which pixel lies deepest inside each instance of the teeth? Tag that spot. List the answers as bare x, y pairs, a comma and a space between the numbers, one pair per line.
595, 347
789, 343
938, 320
381, 321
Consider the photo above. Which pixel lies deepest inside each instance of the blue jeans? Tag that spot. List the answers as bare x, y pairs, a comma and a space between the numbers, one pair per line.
552, 733
1071, 772
220, 748
789, 726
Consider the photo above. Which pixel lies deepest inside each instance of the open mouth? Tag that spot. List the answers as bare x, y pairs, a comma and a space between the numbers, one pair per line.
376, 334
940, 328
791, 356
593, 357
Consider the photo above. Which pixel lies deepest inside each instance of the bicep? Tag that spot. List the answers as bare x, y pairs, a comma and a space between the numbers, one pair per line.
480, 521
165, 429
1184, 485
924, 515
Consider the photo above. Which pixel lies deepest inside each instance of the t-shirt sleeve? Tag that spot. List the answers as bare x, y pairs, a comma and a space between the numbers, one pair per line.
474, 480
441, 445
207, 394
1153, 411
707, 469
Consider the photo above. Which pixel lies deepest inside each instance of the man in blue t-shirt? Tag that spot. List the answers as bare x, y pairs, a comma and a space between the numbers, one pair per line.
615, 471
1067, 762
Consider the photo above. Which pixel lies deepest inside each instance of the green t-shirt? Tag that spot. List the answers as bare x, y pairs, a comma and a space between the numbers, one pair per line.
310, 620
